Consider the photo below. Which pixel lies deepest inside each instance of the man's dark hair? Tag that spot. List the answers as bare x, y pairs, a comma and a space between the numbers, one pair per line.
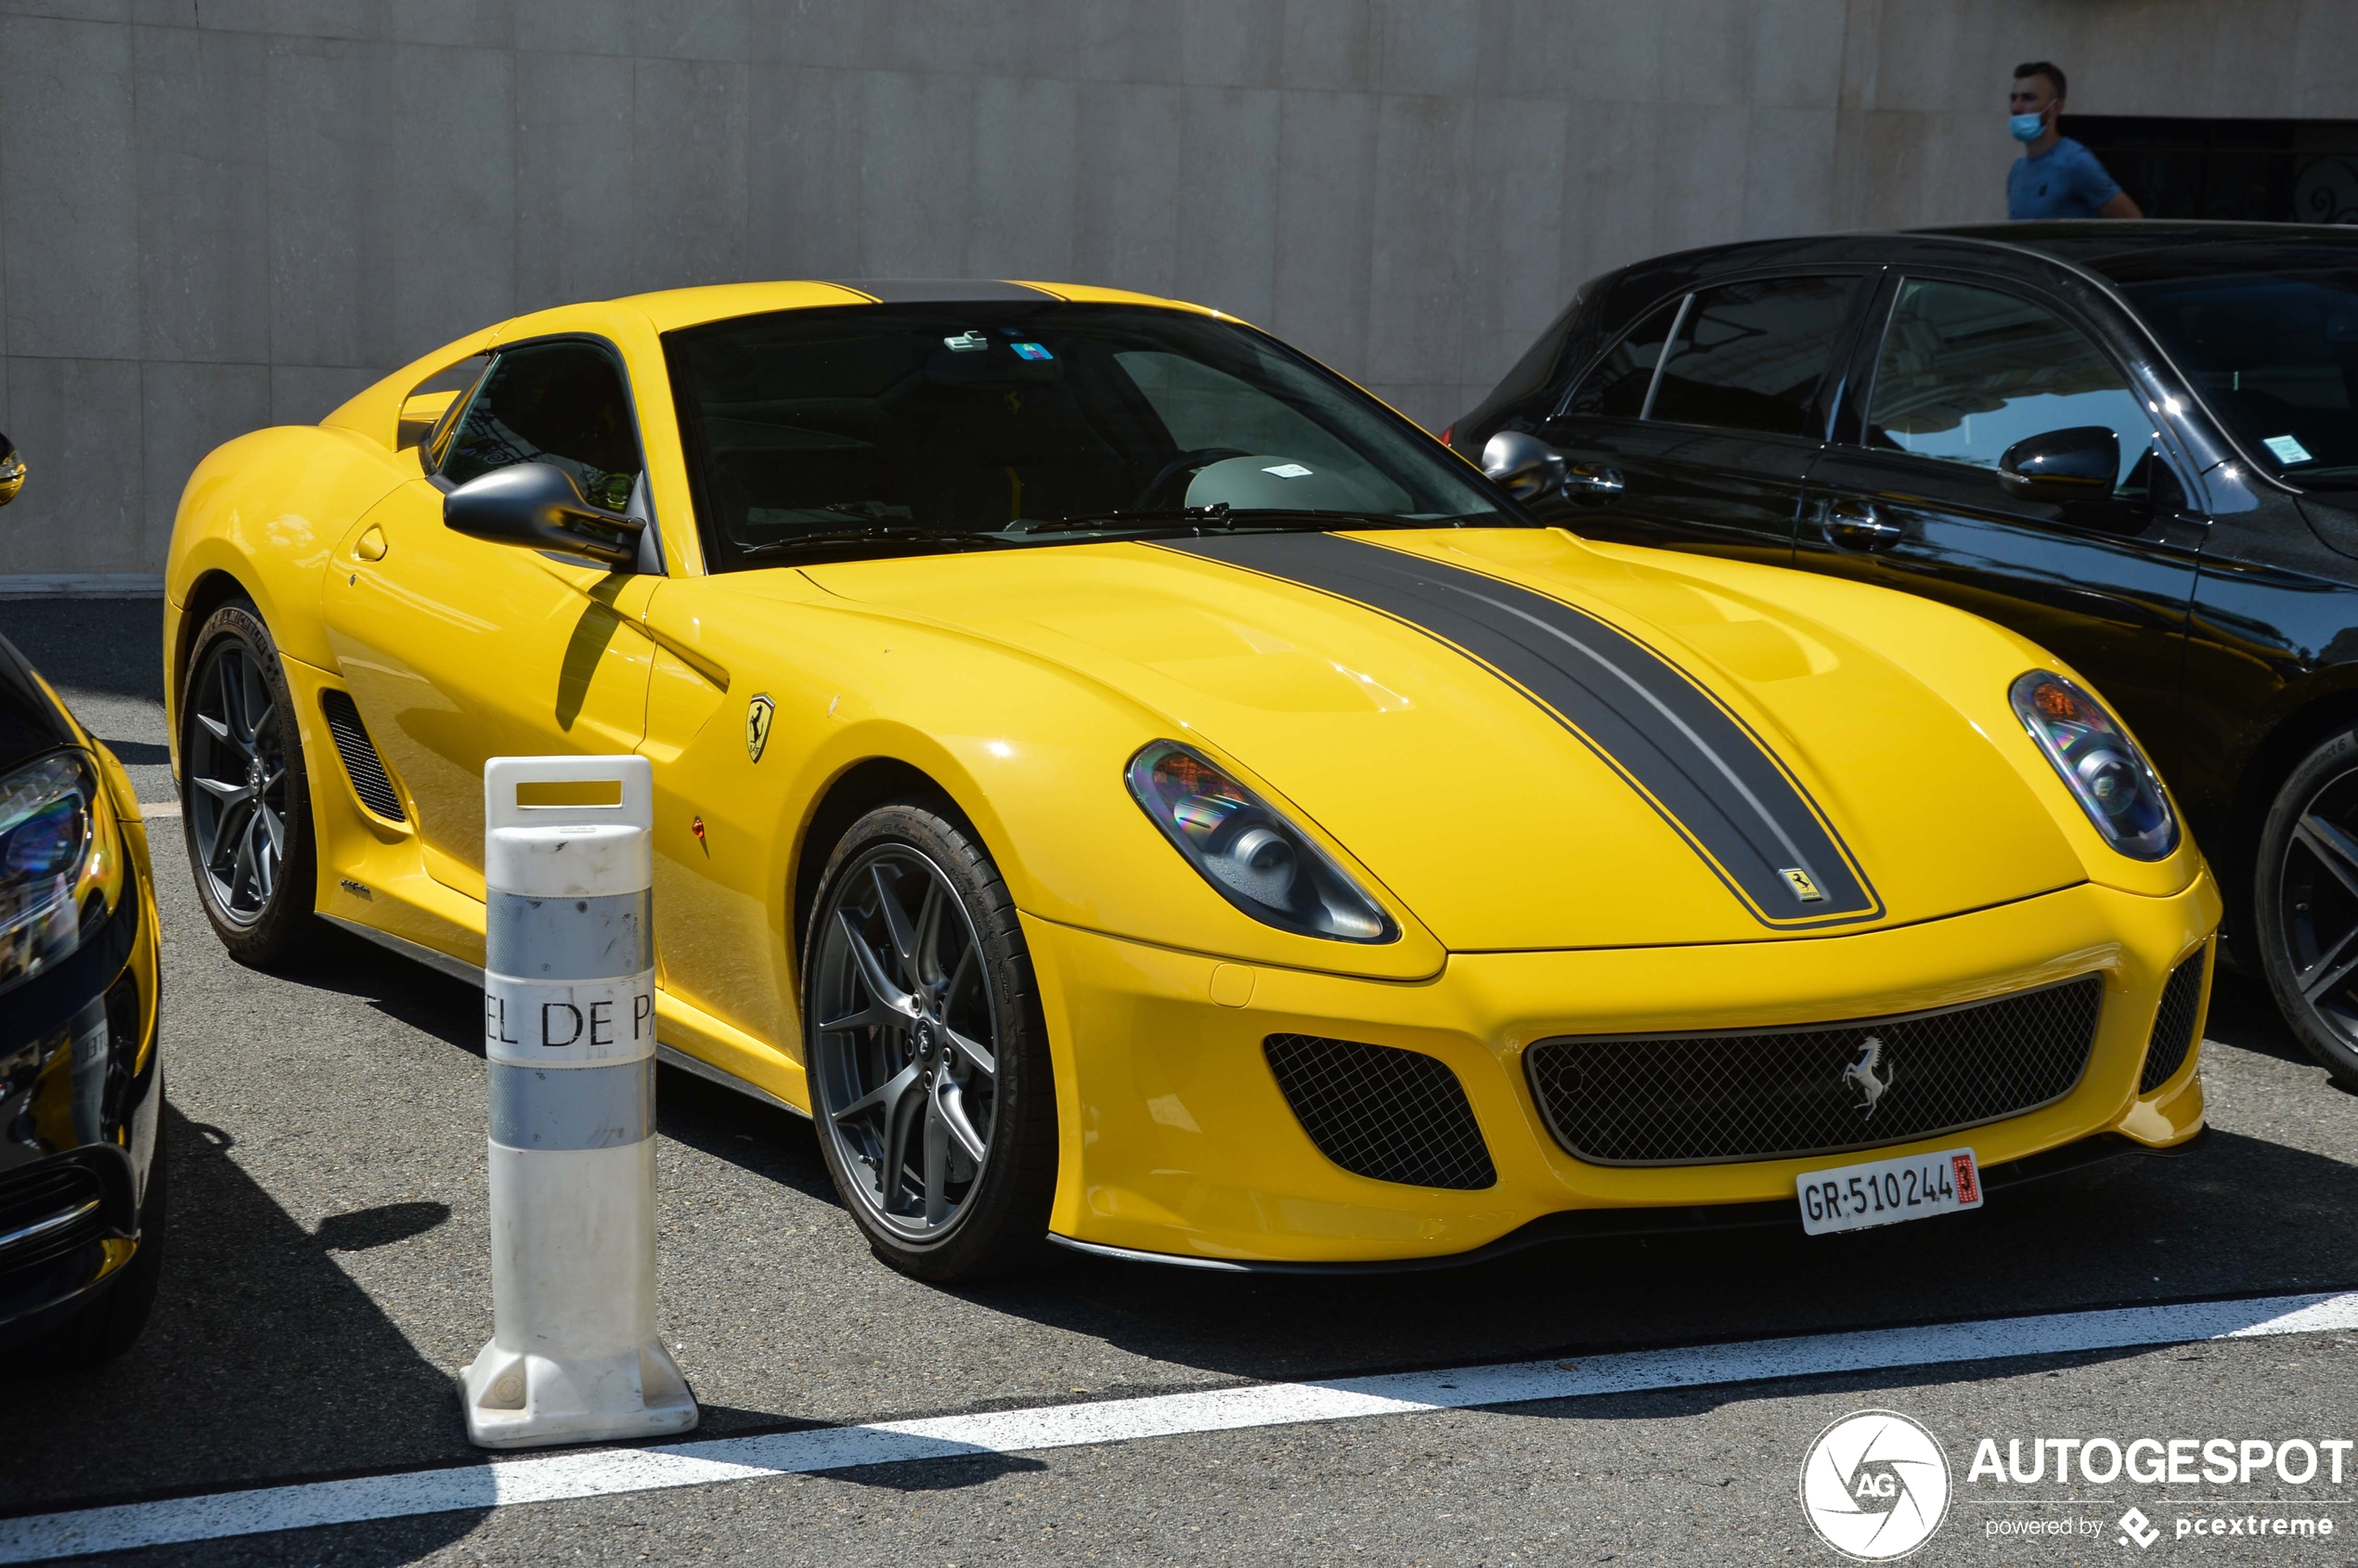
2049, 68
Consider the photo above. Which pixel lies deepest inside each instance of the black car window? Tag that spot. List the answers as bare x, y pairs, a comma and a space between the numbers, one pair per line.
559, 403
1965, 372
1616, 386
1750, 356
2276, 355
1022, 423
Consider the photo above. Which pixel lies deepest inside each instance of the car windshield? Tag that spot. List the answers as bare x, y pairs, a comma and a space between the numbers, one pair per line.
2275, 354
1007, 423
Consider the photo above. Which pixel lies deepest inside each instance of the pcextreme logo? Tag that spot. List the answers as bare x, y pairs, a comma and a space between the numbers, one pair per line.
1876, 1485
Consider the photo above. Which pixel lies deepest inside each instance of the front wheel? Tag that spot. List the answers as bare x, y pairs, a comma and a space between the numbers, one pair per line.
929, 1074
2305, 897
245, 799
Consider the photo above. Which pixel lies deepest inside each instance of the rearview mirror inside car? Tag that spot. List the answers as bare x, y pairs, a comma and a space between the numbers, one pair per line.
538, 506
11, 472
1523, 465
2076, 464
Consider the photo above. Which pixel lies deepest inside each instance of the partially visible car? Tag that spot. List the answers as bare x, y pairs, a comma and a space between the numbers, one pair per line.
2133, 443
81, 1168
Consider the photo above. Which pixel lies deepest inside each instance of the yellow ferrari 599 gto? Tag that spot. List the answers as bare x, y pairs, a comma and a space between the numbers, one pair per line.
1133, 790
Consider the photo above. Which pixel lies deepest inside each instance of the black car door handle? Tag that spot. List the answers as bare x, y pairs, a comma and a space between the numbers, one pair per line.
1857, 525
1592, 481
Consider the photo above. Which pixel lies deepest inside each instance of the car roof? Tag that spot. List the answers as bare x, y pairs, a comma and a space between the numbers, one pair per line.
675, 308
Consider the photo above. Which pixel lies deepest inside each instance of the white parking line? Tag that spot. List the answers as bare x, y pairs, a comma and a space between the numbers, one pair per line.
603, 1472
154, 809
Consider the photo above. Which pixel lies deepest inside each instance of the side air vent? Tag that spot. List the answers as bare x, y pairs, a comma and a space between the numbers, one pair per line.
361, 763
2175, 1022
1397, 1116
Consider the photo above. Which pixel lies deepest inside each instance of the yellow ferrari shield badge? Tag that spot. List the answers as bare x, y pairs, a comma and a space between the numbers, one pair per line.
1795, 878
759, 713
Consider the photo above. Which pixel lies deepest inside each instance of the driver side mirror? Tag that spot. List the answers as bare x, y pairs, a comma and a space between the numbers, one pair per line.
538, 506
1525, 466
11, 472
2062, 466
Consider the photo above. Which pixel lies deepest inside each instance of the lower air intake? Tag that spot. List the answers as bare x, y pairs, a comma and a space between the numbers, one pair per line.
361, 763
1396, 1116
2175, 1024
1813, 1088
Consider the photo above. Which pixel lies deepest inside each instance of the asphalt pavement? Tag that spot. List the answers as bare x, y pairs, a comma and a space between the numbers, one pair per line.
328, 1274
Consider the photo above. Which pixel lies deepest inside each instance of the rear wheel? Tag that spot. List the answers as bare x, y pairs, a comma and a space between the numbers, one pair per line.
929, 1061
245, 799
2306, 901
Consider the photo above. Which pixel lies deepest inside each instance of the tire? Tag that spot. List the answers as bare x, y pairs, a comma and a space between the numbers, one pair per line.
2305, 904
110, 1323
245, 795
924, 1040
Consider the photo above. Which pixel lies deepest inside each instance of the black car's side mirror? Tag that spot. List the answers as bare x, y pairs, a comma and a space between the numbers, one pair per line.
538, 506
11, 472
1525, 466
2062, 466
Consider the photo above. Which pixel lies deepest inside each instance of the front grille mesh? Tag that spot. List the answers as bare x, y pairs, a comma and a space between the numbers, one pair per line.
361, 763
1701, 1099
2174, 1025
1397, 1116
30, 1196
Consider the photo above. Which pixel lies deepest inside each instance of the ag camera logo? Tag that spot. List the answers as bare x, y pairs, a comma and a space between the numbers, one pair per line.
1876, 1485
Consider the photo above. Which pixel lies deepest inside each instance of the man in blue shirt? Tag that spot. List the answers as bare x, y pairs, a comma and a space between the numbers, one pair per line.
2055, 177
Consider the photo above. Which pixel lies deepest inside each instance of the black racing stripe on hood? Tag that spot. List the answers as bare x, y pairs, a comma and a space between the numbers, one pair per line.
1698, 764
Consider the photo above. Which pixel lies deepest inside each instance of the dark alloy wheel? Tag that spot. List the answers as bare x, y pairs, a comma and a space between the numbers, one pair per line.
929, 1075
244, 796
2307, 904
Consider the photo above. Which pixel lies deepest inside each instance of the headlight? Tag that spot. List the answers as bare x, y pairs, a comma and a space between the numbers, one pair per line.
2100, 764
60, 864
1259, 861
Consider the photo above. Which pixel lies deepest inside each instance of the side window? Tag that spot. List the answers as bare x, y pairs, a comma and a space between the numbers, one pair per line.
1750, 356
1615, 387
558, 403
1965, 372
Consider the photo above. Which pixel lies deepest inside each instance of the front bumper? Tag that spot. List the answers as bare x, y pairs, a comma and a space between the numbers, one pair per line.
1177, 1140
81, 1095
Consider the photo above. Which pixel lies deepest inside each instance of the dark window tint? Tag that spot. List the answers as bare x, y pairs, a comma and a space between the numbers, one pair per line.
2277, 354
1750, 356
1965, 373
553, 403
1011, 420
1616, 388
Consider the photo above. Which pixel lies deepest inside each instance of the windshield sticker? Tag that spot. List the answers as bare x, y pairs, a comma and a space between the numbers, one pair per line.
1289, 471
967, 343
1031, 351
2287, 450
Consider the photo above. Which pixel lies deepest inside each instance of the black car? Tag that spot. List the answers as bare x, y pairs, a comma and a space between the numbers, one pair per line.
2134, 443
82, 1171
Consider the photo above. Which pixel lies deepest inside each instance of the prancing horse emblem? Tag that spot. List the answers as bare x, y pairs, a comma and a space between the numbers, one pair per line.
1861, 1075
759, 713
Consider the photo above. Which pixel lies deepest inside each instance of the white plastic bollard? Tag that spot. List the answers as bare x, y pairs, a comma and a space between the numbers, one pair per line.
569, 1028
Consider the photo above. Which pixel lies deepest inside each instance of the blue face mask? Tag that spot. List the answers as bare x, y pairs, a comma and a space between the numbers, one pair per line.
2026, 127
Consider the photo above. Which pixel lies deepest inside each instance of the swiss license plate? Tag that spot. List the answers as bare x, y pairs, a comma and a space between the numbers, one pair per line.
1882, 1192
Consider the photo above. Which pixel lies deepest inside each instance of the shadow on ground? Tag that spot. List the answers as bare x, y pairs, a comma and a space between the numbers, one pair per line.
261, 1357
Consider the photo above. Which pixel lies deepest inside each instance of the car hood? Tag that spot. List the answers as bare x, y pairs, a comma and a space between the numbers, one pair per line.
1531, 743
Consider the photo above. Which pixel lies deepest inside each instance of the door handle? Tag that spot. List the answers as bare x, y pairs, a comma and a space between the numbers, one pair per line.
1857, 525
1592, 481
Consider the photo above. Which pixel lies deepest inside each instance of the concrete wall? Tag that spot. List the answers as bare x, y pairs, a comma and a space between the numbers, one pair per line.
219, 213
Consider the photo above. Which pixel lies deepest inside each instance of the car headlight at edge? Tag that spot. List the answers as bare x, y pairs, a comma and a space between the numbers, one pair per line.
1250, 855
2099, 764
61, 863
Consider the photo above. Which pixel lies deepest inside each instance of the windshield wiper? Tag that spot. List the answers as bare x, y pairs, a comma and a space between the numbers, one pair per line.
1220, 515
893, 533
